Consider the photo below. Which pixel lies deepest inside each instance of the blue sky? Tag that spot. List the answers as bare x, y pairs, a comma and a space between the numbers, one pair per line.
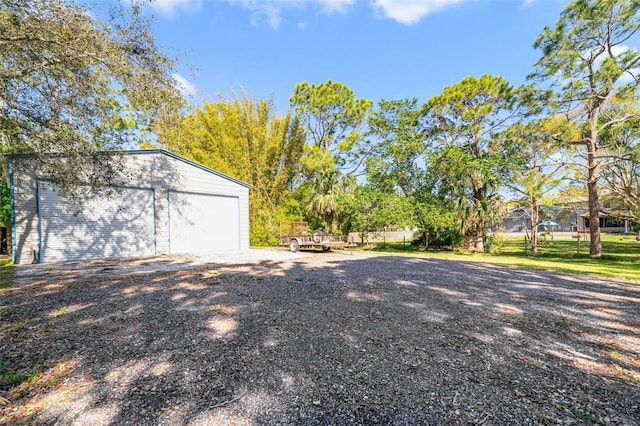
381, 49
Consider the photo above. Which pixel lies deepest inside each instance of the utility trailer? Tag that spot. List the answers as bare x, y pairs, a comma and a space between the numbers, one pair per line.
296, 235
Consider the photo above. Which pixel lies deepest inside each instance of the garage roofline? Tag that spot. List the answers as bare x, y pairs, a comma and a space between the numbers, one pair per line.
147, 151
184, 160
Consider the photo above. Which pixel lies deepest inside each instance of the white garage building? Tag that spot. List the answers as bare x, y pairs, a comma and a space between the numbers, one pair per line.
165, 205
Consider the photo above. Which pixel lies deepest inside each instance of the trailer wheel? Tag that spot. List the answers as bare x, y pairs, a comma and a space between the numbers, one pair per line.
326, 248
317, 236
294, 245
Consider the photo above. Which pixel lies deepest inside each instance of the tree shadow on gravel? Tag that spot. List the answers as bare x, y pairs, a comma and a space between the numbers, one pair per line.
332, 339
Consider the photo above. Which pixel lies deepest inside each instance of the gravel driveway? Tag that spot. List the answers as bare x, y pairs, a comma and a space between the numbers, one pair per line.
323, 338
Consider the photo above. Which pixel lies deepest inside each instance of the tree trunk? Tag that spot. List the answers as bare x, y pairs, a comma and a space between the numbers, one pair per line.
593, 165
332, 223
478, 232
473, 239
534, 225
479, 243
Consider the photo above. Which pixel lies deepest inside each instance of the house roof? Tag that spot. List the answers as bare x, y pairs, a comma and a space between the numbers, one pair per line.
617, 213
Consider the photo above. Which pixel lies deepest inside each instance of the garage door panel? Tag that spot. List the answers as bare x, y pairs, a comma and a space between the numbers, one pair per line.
203, 223
120, 226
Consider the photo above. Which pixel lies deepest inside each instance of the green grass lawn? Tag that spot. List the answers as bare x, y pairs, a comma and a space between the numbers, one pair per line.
6, 272
621, 257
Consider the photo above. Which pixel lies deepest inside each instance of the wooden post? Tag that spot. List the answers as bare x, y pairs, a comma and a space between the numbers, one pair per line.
579, 237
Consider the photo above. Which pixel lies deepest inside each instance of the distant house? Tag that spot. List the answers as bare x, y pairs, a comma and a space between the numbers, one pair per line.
165, 205
568, 219
519, 220
612, 220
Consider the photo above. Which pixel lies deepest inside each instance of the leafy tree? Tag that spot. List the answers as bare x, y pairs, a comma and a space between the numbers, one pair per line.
536, 165
461, 123
397, 160
622, 178
247, 140
73, 84
333, 119
621, 175
399, 163
370, 210
437, 219
5, 204
325, 190
586, 59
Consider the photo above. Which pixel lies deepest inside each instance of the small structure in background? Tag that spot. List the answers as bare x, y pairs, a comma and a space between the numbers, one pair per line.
548, 225
296, 235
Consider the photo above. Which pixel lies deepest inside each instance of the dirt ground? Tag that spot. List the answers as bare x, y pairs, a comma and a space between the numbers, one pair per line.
321, 338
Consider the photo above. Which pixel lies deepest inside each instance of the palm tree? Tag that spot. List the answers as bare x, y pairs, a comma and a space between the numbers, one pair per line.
326, 187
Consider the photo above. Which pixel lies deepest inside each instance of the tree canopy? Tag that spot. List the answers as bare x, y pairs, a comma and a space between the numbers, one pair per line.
73, 84
585, 58
463, 123
537, 168
333, 118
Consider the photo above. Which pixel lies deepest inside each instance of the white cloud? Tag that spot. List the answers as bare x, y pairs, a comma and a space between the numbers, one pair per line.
187, 89
339, 6
170, 8
406, 12
267, 10
273, 15
270, 11
615, 50
410, 12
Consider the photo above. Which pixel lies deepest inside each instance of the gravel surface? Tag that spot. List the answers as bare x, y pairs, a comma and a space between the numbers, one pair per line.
322, 338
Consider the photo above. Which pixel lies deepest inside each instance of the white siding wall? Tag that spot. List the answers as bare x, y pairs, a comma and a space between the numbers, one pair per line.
154, 170
201, 222
24, 212
122, 225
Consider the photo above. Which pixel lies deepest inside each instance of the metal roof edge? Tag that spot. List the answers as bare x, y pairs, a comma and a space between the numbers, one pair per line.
151, 151
191, 163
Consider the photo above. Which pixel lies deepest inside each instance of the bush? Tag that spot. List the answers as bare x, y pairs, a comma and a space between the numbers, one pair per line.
497, 243
446, 238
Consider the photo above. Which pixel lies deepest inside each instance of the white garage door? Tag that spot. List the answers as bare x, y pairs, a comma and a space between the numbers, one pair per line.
201, 223
121, 226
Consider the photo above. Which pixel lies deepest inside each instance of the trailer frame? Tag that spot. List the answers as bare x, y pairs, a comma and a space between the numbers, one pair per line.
296, 235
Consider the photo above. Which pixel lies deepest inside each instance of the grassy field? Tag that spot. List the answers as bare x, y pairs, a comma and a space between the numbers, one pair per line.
621, 257
6, 272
